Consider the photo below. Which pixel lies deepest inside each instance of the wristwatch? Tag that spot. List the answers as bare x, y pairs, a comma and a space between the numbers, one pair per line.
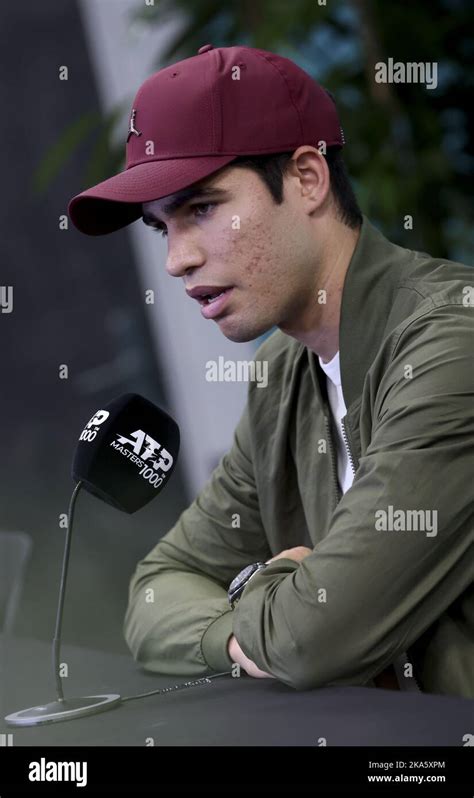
237, 585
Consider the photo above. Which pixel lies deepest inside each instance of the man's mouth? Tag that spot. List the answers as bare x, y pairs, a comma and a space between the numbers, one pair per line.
212, 305
206, 294
212, 298
209, 298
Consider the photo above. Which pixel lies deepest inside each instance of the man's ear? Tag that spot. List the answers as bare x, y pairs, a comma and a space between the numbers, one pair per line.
309, 168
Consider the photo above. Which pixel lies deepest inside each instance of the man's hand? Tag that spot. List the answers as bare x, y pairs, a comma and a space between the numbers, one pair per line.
237, 655
297, 554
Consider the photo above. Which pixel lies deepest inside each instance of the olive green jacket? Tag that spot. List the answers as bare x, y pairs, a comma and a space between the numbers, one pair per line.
392, 560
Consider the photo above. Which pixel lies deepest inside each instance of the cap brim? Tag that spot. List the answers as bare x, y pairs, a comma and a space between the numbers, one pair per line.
116, 202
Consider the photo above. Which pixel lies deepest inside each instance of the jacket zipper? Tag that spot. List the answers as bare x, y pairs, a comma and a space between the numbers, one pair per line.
347, 445
337, 490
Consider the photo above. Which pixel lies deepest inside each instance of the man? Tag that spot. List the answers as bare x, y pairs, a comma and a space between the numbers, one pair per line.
334, 539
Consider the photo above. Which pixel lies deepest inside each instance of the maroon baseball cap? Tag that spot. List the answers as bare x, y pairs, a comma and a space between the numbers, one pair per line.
190, 119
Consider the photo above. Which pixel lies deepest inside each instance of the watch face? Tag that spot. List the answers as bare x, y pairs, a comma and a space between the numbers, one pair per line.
237, 585
242, 576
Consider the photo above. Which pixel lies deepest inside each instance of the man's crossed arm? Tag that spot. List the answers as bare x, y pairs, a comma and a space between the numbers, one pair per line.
236, 654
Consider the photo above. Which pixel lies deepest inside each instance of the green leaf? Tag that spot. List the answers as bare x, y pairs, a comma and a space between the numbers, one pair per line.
62, 149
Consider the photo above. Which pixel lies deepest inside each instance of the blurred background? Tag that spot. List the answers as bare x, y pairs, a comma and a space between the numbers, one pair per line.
79, 300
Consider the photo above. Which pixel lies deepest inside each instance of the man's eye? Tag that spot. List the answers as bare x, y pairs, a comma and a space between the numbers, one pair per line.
202, 205
197, 206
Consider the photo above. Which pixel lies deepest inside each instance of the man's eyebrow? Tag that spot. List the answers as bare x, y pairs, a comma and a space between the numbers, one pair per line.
184, 196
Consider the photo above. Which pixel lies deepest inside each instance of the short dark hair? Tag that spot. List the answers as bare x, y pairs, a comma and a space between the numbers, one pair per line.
273, 167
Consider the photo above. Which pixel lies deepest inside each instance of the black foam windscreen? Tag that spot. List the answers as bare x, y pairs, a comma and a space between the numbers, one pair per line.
127, 452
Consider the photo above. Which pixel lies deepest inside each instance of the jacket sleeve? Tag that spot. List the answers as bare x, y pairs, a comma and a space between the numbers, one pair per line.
178, 619
365, 595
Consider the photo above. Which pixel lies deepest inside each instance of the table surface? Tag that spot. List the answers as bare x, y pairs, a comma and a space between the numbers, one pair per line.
226, 712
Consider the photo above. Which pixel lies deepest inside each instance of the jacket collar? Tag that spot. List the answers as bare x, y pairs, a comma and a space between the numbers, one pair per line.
367, 299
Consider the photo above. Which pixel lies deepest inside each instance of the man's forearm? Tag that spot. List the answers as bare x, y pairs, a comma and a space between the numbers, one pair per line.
178, 623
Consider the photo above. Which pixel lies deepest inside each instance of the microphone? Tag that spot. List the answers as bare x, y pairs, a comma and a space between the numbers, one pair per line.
127, 452
125, 455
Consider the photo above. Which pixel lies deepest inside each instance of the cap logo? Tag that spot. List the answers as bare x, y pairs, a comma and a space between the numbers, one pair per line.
132, 128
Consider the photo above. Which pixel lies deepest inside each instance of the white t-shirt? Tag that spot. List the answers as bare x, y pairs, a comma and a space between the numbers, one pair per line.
338, 408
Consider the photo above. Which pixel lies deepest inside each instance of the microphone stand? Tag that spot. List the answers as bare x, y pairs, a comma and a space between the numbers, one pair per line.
63, 708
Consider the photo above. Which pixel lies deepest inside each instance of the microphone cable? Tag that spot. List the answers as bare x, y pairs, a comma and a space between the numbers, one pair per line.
203, 680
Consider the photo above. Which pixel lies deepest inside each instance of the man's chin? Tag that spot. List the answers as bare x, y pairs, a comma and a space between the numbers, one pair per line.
239, 334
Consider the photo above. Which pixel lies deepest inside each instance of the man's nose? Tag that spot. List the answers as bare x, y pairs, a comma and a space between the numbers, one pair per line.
181, 259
